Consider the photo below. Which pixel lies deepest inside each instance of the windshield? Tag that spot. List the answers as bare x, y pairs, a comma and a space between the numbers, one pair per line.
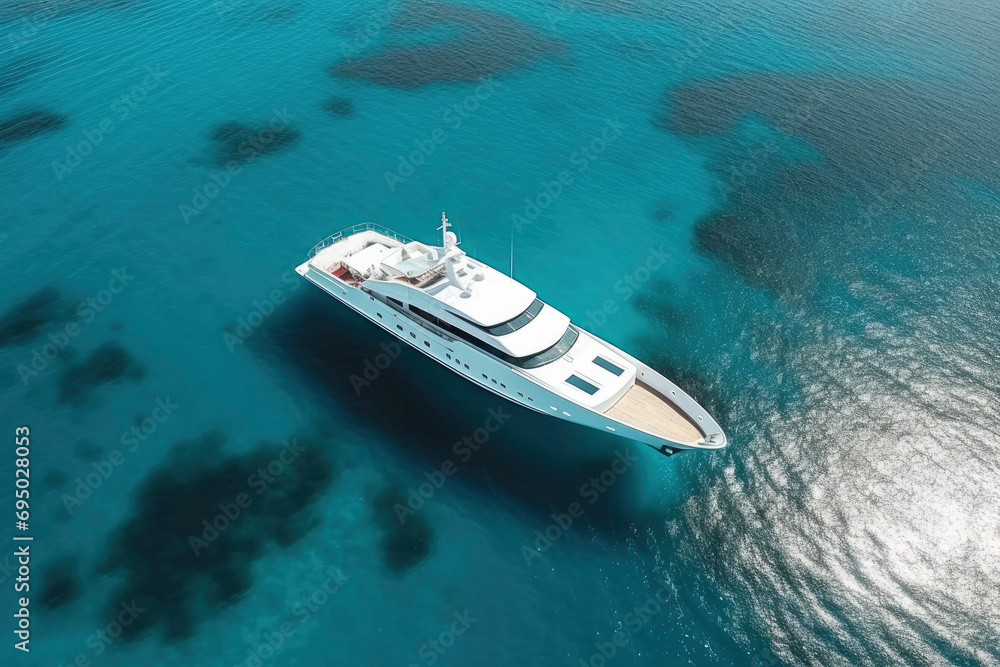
513, 325
551, 354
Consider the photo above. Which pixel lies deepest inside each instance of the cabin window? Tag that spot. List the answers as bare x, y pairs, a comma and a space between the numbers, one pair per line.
608, 366
582, 384
394, 301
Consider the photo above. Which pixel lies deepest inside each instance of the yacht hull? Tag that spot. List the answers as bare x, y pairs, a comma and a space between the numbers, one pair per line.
513, 383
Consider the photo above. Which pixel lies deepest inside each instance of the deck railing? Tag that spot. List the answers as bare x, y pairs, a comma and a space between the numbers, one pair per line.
351, 231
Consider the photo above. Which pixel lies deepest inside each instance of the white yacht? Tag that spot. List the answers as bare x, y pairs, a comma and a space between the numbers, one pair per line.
494, 331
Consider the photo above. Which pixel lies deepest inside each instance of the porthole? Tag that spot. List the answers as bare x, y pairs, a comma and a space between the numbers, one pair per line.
379, 315
427, 343
467, 367
567, 414
413, 335
399, 327
531, 399
484, 376
610, 428
447, 355
520, 394
503, 385
493, 381
700, 418
554, 408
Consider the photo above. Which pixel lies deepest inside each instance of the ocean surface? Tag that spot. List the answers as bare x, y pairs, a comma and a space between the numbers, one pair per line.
792, 209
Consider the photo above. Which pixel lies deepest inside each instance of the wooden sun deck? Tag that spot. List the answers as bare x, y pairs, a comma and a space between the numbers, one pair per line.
644, 409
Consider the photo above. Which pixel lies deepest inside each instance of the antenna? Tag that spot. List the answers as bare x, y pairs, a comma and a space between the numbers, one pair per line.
444, 229
448, 238
512, 251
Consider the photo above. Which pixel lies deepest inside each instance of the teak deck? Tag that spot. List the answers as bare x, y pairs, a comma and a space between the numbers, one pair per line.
644, 409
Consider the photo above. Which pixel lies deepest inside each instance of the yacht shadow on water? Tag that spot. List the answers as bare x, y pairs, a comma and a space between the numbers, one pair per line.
425, 410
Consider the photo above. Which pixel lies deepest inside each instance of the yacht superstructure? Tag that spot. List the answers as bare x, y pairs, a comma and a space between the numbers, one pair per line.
496, 332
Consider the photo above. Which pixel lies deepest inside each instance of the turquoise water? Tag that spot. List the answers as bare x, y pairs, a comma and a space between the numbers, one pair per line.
821, 177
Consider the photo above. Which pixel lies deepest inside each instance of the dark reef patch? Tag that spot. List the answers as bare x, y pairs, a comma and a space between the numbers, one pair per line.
881, 144
109, 363
60, 584
868, 130
407, 538
663, 212
241, 144
87, 451
188, 548
24, 126
54, 479
33, 315
339, 106
488, 43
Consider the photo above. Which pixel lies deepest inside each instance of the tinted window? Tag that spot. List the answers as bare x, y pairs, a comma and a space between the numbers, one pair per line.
516, 323
582, 384
608, 366
534, 361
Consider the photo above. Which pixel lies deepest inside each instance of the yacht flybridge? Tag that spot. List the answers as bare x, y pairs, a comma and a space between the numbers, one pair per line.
494, 331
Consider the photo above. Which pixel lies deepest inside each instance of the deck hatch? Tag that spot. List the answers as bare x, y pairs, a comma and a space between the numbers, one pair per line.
582, 384
608, 366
